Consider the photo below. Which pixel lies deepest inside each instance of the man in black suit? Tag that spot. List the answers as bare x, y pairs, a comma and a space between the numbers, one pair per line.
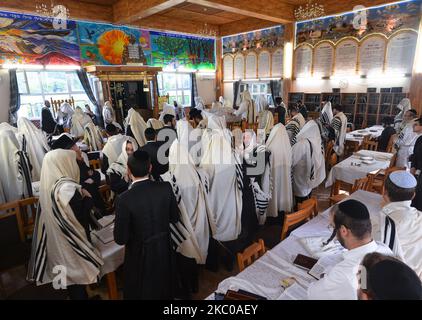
48, 124
159, 162
144, 214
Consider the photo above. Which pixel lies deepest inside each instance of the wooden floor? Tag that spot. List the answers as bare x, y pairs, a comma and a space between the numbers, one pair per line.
14, 286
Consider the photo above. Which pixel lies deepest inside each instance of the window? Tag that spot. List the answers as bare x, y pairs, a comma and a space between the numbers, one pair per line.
257, 89
177, 86
37, 86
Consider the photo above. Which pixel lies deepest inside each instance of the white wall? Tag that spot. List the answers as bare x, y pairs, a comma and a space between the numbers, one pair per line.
206, 88
4, 95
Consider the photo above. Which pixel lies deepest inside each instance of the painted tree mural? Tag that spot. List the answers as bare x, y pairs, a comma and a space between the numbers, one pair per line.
171, 46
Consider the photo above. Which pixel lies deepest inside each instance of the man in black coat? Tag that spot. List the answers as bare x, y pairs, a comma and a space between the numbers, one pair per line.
143, 217
416, 169
159, 161
48, 125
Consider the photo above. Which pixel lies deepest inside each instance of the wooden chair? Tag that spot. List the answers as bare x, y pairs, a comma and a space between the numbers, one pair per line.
312, 202
13, 209
378, 179
350, 147
370, 145
28, 208
250, 254
55, 104
106, 194
360, 184
95, 164
294, 219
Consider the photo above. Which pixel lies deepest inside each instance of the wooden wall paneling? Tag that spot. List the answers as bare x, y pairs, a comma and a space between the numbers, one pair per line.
219, 87
289, 36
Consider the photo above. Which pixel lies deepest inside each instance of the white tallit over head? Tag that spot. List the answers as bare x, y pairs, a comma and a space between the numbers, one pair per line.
199, 103
192, 199
12, 181
137, 125
79, 121
404, 106
308, 163
113, 147
34, 143
108, 113
6, 126
326, 113
225, 181
339, 125
190, 138
265, 120
167, 109
65, 114
155, 124
93, 137
261, 103
277, 176
119, 166
59, 238
247, 107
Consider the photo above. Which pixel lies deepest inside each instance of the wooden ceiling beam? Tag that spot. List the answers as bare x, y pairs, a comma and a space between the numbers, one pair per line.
129, 11
271, 10
244, 25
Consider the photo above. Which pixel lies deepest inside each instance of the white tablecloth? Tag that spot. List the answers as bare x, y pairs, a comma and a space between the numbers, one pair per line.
264, 275
374, 132
346, 172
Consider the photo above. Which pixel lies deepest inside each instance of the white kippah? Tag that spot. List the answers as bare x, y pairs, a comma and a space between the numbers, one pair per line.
403, 179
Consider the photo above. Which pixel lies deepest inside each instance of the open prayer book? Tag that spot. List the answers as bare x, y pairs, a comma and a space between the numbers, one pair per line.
106, 234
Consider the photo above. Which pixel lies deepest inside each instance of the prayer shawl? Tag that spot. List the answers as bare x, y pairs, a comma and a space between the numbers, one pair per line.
119, 166
192, 199
167, 109
93, 137
225, 184
65, 115
277, 179
199, 103
137, 125
34, 143
265, 122
247, 108
79, 121
403, 106
308, 163
325, 119
404, 144
6, 126
113, 147
294, 126
59, 239
15, 173
155, 124
339, 124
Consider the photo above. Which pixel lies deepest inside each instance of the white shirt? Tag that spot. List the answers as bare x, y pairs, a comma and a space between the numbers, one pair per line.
341, 282
408, 222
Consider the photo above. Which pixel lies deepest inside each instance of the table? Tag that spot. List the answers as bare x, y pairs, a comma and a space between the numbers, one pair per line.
264, 275
374, 133
348, 173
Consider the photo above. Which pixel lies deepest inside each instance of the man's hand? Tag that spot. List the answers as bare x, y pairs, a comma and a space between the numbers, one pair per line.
89, 181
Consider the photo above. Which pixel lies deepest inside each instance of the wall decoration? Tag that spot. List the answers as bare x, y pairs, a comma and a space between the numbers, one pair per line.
323, 59
173, 50
264, 64
228, 67
401, 53
346, 57
303, 61
28, 39
251, 66
239, 67
277, 63
256, 40
106, 44
385, 20
372, 55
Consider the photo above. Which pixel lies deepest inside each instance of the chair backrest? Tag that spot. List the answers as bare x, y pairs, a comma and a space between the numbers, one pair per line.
370, 145
361, 184
393, 160
312, 202
10, 209
55, 104
106, 194
390, 145
329, 150
293, 219
333, 159
28, 208
95, 164
250, 254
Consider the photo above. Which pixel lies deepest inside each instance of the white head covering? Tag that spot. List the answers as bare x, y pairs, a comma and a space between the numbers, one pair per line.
221, 100
137, 125
326, 113
113, 147
109, 115
265, 118
79, 121
155, 124
193, 205
59, 238
6, 126
404, 106
167, 109
247, 107
35, 145
120, 165
93, 137
261, 103
277, 176
65, 114
66, 108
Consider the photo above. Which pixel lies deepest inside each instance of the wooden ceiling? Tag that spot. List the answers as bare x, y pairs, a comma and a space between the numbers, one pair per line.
224, 16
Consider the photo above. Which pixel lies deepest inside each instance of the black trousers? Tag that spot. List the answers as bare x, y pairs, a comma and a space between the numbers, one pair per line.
77, 292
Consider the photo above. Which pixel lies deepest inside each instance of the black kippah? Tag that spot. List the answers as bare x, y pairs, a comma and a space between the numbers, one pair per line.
354, 209
394, 280
141, 155
64, 141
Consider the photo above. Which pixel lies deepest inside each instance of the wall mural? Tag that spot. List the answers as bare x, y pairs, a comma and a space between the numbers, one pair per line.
260, 39
35, 40
28, 39
385, 20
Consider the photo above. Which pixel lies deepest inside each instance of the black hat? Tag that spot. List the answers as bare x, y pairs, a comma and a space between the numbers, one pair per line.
354, 209
394, 280
64, 141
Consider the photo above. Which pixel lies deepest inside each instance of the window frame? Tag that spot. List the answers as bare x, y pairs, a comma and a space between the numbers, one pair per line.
179, 90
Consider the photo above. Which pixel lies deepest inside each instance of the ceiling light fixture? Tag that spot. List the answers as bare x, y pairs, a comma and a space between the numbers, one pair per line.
310, 11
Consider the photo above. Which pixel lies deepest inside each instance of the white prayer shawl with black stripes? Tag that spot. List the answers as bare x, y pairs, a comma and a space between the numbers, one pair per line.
405, 143
277, 175
14, 171
308, 163
265, 121
119, 167
389, 236
6, 126
191, 197
404, 106
325, 118
79, 121
59, 240
137, 125
225, 184
339, 124
93, 137
294, 126
155, 124
34, 143
113, 147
